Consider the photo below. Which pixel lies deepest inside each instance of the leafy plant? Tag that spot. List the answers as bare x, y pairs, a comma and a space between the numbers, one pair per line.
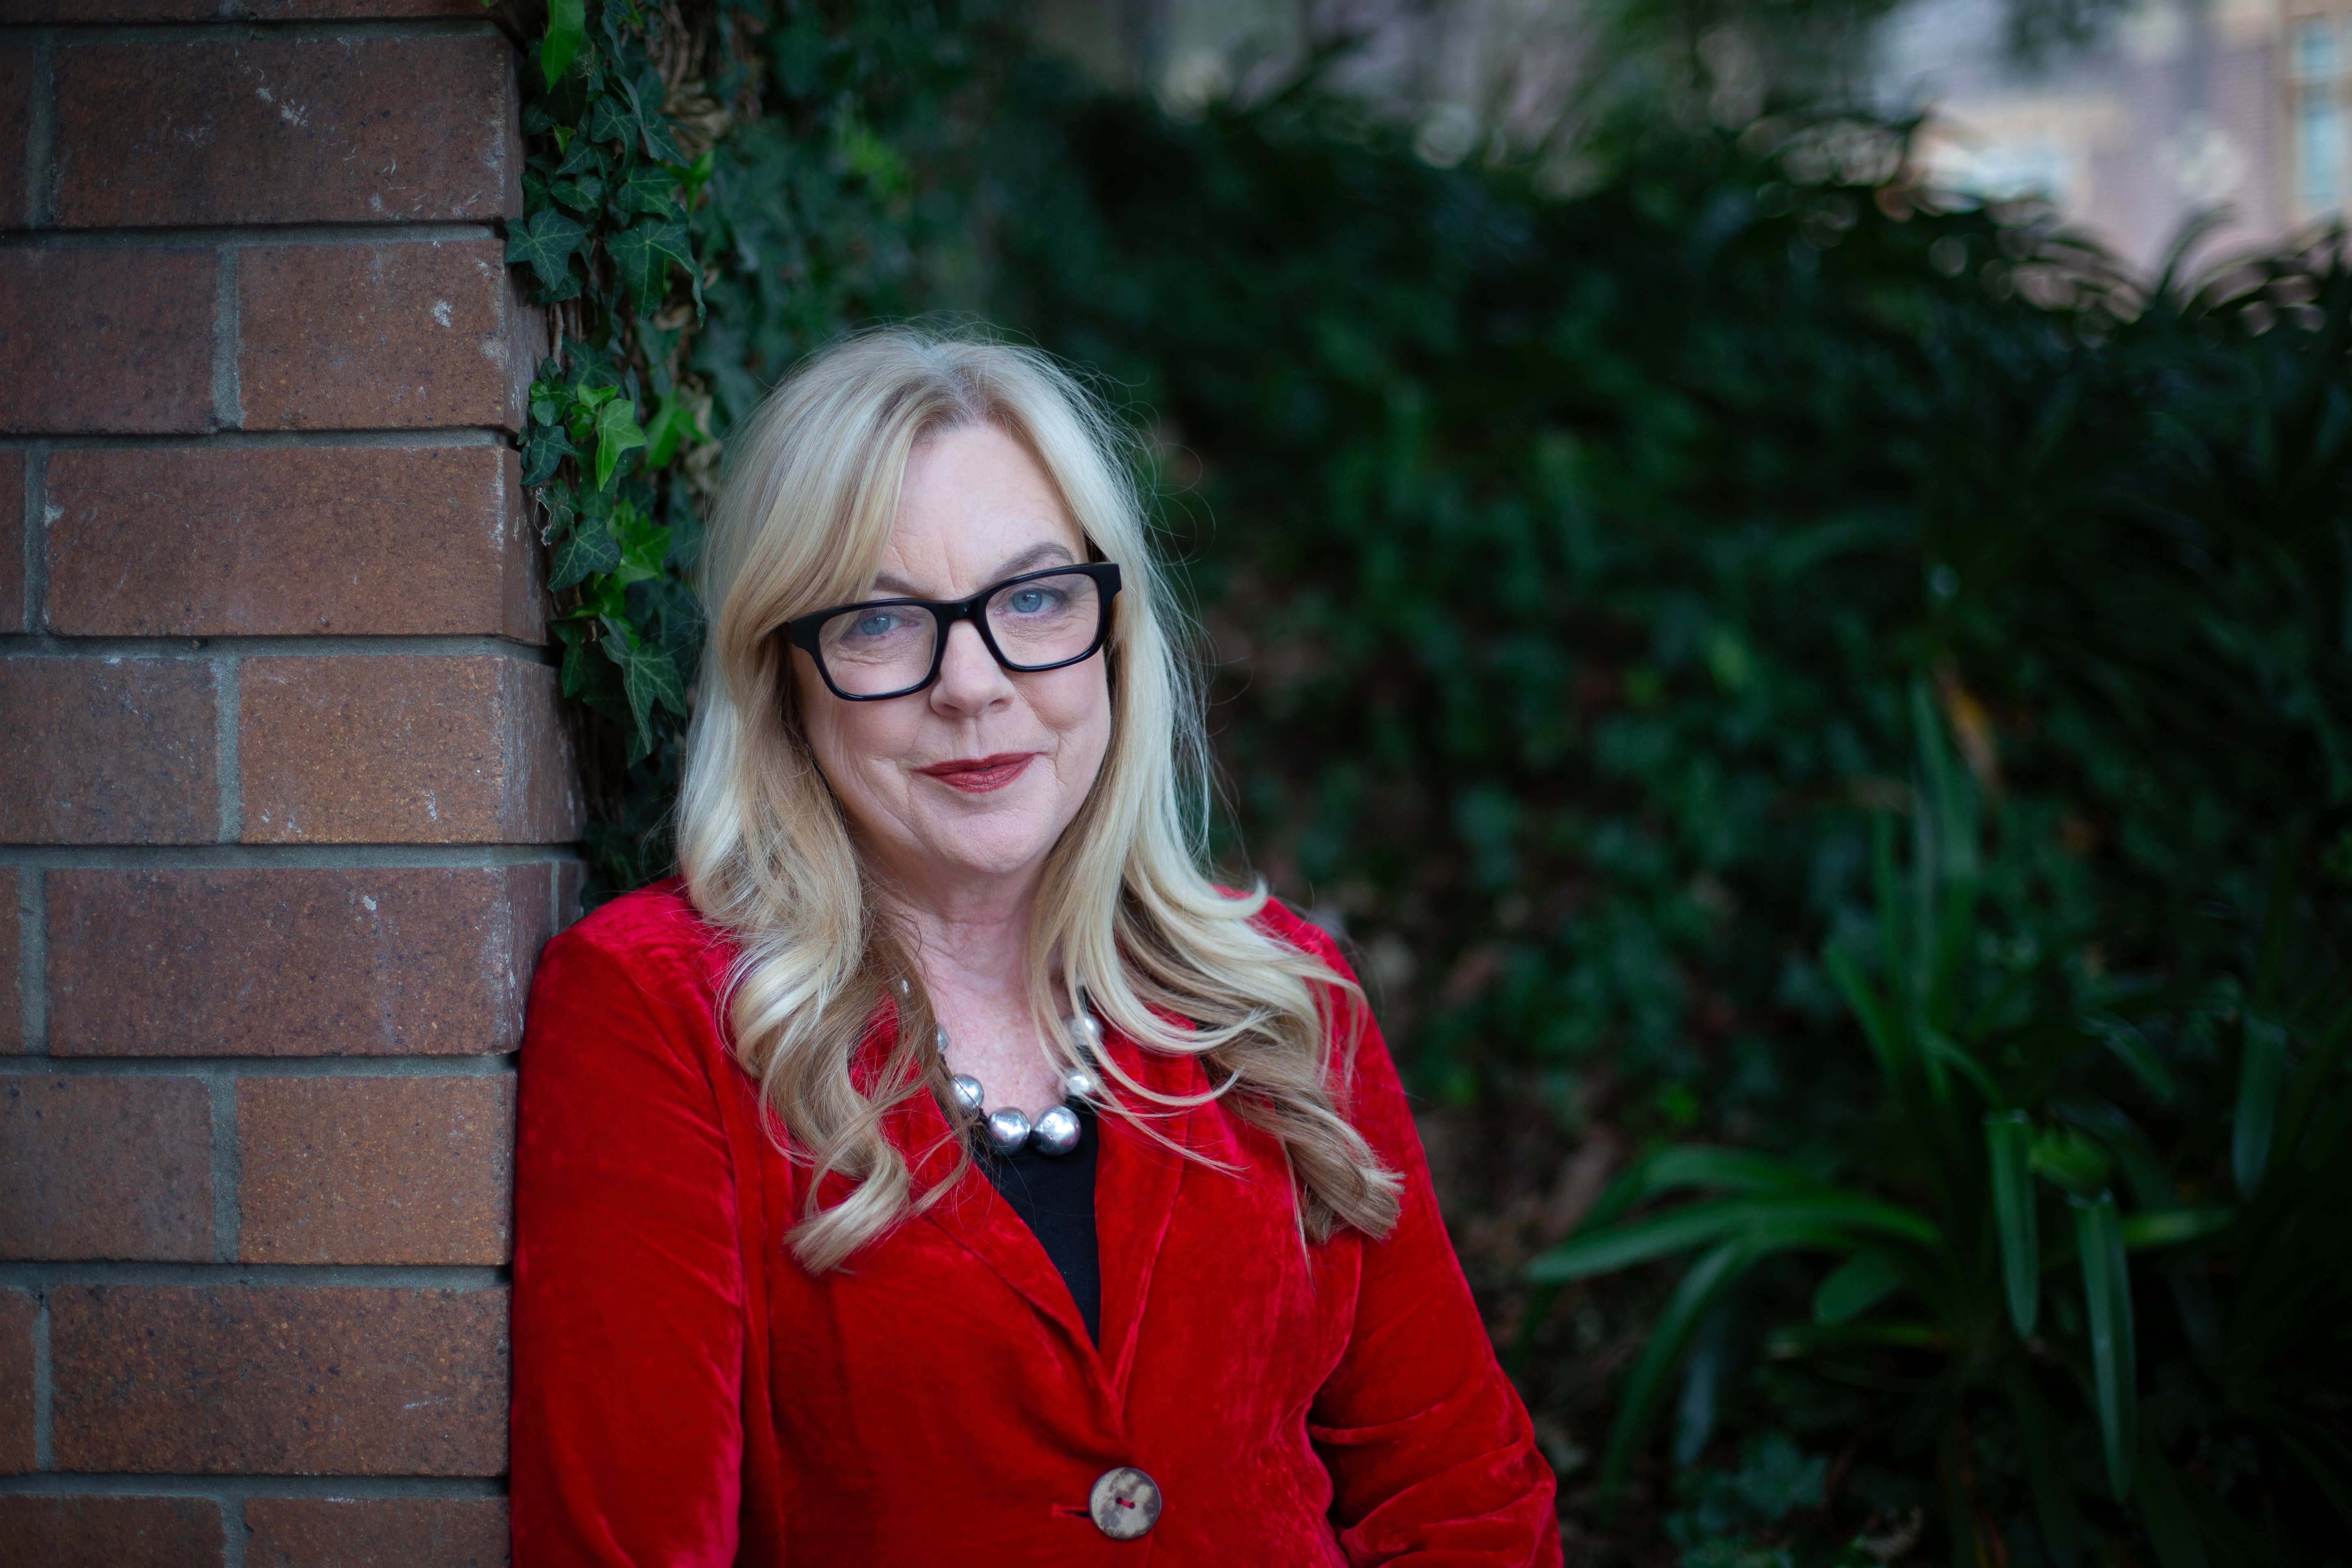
2010, 1225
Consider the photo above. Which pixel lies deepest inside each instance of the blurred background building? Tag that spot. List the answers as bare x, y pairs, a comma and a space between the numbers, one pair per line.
2133, 117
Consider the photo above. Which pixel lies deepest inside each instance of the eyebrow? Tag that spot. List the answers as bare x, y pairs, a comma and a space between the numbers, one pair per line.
1029, 560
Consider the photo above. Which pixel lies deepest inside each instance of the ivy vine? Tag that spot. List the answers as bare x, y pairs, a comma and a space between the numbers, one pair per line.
619, 438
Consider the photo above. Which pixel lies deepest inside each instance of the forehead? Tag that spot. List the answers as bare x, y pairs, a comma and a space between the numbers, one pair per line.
974, 506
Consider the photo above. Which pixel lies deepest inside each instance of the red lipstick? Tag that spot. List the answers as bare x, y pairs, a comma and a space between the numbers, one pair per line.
978, 775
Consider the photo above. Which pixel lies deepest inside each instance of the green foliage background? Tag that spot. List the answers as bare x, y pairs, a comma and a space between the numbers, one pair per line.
1568, 563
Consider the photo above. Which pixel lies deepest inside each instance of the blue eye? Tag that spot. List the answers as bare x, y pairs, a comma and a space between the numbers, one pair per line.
880, 623
1032, 600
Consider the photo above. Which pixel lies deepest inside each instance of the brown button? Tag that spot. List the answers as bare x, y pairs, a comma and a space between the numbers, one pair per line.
1125, 1502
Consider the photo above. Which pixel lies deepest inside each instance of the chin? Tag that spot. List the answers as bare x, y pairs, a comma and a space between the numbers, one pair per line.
990, 848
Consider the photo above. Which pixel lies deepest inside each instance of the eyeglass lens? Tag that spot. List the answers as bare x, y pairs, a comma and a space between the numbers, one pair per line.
870, 650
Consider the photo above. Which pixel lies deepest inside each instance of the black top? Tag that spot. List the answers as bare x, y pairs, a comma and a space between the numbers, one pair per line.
1055, 1196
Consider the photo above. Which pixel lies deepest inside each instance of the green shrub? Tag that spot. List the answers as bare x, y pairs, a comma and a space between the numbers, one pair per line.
1982, 1255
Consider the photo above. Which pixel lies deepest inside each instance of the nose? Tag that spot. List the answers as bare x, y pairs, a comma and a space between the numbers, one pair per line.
971, 681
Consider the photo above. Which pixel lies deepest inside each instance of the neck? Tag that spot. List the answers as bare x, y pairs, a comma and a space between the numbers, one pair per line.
966, 934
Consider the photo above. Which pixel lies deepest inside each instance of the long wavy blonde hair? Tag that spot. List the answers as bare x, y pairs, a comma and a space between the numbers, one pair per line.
1126, 916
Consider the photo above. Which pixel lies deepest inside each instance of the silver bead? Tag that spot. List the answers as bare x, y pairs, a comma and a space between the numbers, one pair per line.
1090, 1030
1008, 1129
1057, 1130
968, 1092
1080, 1083
940, 1040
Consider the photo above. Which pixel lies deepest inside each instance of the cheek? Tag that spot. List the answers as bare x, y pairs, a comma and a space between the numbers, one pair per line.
846, 738
1077, 709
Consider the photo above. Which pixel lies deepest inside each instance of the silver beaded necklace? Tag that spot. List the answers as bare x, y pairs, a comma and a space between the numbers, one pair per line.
1007, 1130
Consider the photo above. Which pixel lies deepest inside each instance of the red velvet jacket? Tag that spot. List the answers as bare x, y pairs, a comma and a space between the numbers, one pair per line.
685, 1393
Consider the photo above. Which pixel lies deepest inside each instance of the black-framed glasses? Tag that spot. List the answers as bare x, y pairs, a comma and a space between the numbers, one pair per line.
891, 648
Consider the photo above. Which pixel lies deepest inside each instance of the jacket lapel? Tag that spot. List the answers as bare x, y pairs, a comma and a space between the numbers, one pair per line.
1136, 1182
975, 1215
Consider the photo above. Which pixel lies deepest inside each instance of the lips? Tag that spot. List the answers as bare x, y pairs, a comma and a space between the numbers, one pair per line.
978, 775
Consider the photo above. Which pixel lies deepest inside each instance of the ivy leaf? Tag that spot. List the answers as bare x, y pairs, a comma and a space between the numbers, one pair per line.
580, 195
673, 422
652, 129
617, 431
589, 549
697, 174
658, 142
584, 157
546, 240
649, 188
612, 120
644, 253
644, 545
647, 677
567, 30
563, 508
544, 453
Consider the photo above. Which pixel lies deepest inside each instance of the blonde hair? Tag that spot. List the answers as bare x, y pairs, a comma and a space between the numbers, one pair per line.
1126, 916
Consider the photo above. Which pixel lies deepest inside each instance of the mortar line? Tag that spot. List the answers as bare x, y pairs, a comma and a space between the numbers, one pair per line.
218, 649
285, 857
72, 34
37, 539
32, 958
241, 1489
233, 1532
227, 1167
228, 721
192, 440
228, 405
489, 1064
40, 139
44, 1384
48, 1276
245, 236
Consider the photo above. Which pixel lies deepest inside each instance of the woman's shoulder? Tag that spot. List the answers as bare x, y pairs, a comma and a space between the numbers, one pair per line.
1293, 929
655, 936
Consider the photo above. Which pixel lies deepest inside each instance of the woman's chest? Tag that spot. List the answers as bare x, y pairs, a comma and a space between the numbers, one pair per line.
955, 1341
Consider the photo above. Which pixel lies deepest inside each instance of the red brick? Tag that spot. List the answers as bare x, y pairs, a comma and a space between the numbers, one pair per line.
375, 1170
108, 750
11, 540
107, 341
404, 749
376, 1533
318, 130
240, 1380
16, 125
12, 956
359, 960
283, 541
18, 1314
362, 337
109, 1533
105, 1168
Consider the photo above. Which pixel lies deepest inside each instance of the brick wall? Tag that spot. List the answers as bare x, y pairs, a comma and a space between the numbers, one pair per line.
284, 794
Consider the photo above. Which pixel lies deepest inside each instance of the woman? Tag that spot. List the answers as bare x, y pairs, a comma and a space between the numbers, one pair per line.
943, 1169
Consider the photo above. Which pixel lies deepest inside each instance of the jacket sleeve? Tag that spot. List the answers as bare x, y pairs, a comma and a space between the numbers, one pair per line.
628, 1311
1431, 1458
